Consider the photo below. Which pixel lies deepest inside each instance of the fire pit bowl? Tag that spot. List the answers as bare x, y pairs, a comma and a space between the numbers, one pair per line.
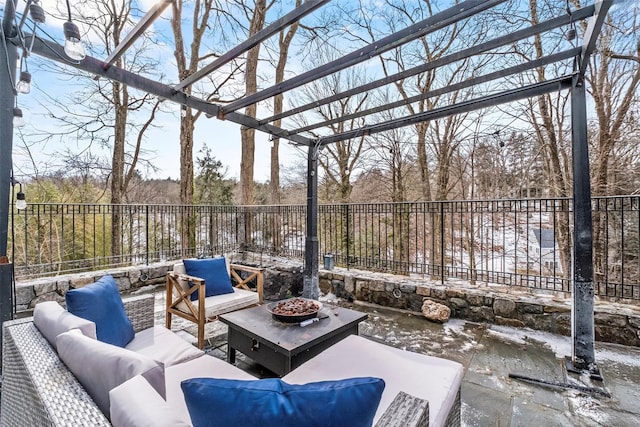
294, 310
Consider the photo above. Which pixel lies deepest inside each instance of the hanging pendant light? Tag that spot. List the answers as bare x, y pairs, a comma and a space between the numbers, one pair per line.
36, 12
24, 84
21, 199
73, 45
18, 120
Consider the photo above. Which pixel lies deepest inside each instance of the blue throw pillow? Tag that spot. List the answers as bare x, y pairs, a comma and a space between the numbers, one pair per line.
101, 303
273, 403
215, 275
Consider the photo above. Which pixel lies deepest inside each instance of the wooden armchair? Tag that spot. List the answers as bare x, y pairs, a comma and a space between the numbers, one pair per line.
207, 309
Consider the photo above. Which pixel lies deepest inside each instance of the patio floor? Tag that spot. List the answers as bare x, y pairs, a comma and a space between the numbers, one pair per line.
489, 354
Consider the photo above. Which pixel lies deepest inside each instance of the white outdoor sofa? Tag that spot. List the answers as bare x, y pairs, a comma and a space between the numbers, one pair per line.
39, 390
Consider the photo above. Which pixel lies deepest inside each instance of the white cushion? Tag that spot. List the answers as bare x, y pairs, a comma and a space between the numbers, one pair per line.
162, 345
220, 304
52, 319
135, 403
433, 379
202, 367
100, 367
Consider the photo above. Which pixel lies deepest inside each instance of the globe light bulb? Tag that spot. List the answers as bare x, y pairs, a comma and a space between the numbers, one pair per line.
36, 12
18, 120
73, 45
21, 202
24, 84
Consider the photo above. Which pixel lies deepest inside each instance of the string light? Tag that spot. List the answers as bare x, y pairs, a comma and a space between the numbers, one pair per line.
571, 32
18, 120
73, 45
21, 199
36, 12
24, 84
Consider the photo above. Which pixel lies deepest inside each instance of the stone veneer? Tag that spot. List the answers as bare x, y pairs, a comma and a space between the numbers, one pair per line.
509, 306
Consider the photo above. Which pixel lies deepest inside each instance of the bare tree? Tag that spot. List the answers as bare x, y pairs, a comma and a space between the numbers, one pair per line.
256, 15
613, 81
188, 62
105, 113
393, 152
339, 160
284, 42
547, 116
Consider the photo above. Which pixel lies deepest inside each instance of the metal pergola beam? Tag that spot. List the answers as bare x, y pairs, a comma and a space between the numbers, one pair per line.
406, 35
91, 65
591, 34
148, 19
545, 60
288, 19
445, 60
535, 89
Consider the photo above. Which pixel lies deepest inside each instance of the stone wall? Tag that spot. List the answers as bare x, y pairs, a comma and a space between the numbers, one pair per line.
509, 306
29, 293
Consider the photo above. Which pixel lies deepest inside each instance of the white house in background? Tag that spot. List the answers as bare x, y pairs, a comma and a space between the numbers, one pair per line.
543, 253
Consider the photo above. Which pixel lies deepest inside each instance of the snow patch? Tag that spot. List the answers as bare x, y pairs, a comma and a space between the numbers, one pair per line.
454, 325
328, 298
588, 407
560, 345
629, 357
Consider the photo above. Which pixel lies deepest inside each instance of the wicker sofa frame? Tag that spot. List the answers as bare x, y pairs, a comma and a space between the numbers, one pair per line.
38, 389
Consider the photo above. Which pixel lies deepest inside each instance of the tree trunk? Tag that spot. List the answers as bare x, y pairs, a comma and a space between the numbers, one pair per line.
423, 161
284, 43
201, 13
186, 184
251, 86
120, 100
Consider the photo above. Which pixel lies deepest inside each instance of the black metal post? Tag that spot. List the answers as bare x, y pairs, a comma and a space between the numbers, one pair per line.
311, 288
582, 316
8, 58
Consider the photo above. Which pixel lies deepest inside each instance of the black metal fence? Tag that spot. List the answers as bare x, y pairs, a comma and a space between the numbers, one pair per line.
523, 243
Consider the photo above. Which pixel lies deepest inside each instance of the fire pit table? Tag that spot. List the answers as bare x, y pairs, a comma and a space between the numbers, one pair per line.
282, 347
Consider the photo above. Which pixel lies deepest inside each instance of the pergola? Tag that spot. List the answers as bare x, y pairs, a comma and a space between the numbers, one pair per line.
583, 357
